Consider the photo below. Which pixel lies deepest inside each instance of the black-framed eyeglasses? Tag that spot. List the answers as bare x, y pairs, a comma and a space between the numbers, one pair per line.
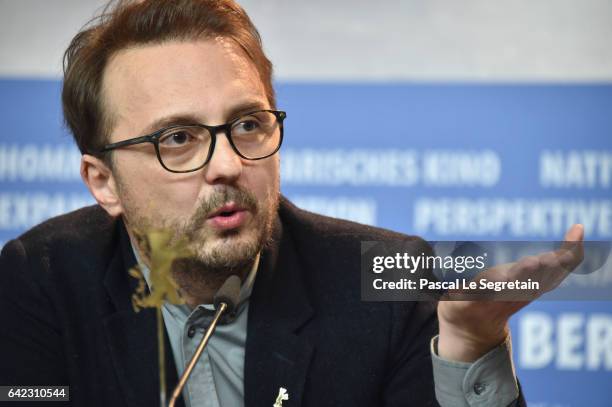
185, 148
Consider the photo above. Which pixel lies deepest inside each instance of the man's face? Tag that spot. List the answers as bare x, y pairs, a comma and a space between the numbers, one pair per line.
206, 81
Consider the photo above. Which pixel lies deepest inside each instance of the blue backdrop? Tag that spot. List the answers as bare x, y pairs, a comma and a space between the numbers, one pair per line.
447, 162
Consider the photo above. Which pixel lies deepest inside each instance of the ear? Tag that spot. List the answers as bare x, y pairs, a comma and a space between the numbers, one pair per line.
101, 183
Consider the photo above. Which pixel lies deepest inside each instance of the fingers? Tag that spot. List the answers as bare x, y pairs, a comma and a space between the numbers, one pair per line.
552, 270
529, 265
571, 252
575, 233
549, 269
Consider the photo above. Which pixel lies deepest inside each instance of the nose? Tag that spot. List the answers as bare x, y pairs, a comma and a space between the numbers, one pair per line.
225, 166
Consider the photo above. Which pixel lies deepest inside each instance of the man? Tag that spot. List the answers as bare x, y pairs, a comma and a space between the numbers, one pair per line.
172, 106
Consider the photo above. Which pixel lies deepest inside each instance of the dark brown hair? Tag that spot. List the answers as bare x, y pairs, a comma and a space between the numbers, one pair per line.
126, 23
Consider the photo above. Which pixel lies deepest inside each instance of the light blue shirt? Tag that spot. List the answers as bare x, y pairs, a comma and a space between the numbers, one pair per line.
218, 377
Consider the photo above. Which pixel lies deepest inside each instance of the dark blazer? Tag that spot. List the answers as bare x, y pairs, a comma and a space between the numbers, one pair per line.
67, 318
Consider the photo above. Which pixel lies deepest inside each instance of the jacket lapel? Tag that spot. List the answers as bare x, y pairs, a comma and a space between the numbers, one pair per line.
131, 336
276, 355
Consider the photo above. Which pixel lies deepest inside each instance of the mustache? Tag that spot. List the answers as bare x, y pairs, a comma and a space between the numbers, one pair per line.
220, 196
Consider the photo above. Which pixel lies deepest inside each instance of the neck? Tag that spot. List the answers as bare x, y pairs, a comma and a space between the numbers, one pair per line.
196, 287
196, 283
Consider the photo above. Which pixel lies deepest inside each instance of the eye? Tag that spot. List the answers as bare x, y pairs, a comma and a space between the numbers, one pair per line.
246, 126
176, 138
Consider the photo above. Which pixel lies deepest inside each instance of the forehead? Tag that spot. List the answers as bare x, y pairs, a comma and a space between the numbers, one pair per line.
203, 78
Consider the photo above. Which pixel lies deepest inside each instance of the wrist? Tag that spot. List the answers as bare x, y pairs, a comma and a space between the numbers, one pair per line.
457, 344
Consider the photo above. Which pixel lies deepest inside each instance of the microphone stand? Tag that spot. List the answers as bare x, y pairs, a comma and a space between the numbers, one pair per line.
226, 299
196, 356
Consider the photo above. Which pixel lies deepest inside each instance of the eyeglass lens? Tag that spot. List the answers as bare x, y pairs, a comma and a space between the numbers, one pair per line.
187, 147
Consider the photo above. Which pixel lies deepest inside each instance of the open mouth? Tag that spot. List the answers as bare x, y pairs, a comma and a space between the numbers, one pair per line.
228, 209
229, 216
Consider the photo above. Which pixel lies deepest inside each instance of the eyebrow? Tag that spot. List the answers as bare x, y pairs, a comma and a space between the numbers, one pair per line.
188, 118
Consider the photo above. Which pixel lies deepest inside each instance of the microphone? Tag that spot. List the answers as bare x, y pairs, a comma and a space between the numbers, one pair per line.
225, 300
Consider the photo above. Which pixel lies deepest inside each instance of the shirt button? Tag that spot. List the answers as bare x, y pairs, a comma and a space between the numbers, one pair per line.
191, 331
479, 388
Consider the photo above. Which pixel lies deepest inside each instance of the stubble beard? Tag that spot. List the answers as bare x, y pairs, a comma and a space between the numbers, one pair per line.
216, 255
